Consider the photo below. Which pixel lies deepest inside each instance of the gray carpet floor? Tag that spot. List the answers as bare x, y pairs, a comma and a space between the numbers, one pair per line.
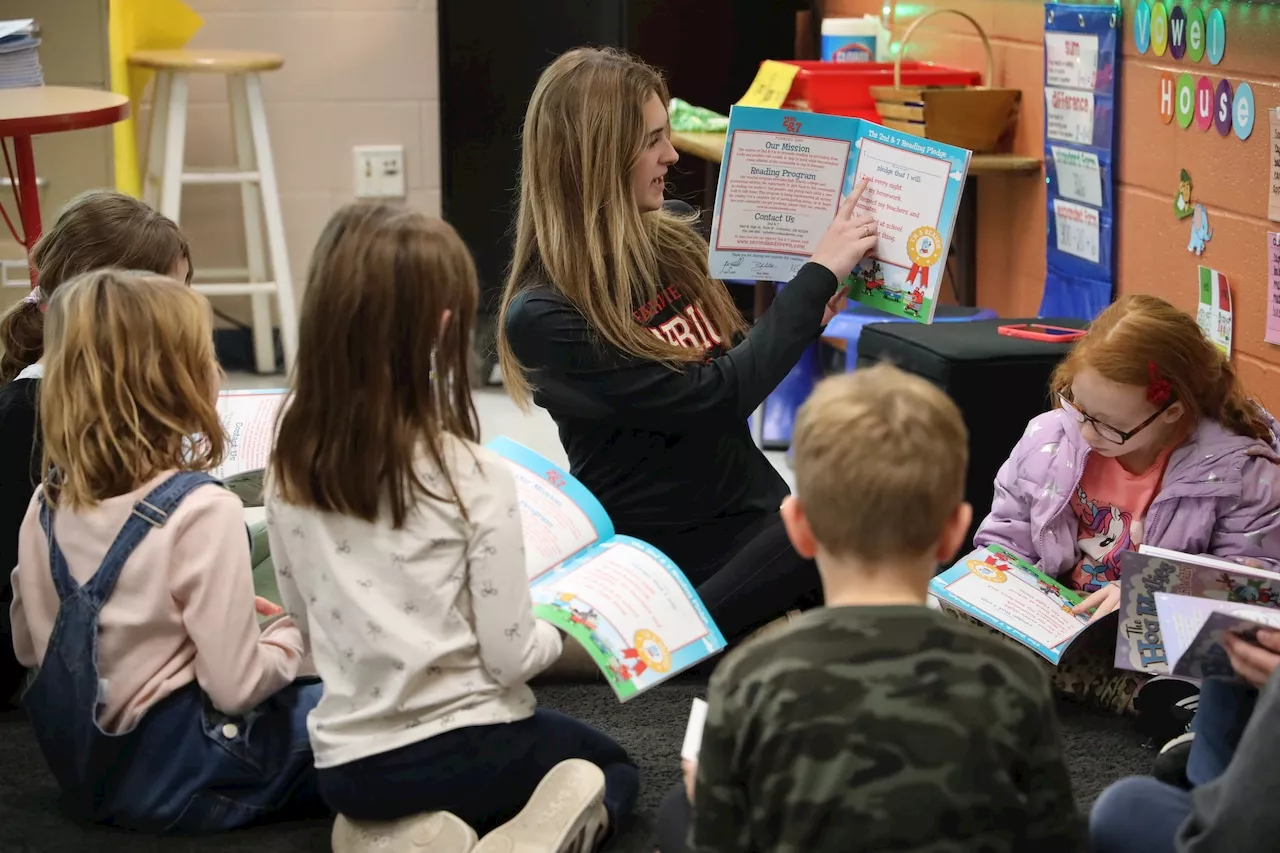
1099, 747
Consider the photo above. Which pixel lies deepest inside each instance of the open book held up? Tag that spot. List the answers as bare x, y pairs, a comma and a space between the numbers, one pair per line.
783, 176
629, 606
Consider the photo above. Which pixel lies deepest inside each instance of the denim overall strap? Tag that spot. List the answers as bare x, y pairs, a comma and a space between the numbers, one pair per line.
149, 513
65, 697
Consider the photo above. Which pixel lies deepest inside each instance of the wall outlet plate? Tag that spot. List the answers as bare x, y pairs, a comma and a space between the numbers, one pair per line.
379, 171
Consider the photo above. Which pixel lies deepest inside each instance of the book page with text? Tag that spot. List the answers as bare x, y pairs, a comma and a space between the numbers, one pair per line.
781, 183
990, 585
913, 191
632, 609
558, 514
249, 420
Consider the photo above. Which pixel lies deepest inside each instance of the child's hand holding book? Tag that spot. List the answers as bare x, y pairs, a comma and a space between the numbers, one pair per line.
1255, 660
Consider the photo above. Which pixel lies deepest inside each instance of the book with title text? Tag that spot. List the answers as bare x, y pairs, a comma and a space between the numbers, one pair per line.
783, 176
1172, 607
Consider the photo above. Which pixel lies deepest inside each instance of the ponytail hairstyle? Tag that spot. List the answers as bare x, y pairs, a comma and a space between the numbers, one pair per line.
97, 229
1142, 339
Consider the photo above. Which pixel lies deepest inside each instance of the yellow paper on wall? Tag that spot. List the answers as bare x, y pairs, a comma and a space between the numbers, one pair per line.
771, 86
140, 25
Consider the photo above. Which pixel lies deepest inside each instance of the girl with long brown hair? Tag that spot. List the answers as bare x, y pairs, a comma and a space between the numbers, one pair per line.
611, 321
97, 229
398, 541
159, 702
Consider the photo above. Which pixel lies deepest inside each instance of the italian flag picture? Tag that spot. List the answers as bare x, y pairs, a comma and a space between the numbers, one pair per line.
1214, 314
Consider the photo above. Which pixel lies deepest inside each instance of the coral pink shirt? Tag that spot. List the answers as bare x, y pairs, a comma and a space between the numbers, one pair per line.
1110, 504
182, 609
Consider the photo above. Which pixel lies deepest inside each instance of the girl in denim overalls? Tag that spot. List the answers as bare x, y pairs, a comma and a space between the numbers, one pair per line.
159, 702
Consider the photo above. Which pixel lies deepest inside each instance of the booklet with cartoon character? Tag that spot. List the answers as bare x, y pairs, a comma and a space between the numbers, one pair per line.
1003, 590
1143, 639
783, 176
629, 606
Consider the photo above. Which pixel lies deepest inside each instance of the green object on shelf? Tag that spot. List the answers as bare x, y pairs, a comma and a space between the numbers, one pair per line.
686, 118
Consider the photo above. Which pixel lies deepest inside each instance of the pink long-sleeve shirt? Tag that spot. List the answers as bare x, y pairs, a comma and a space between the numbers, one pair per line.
182, 609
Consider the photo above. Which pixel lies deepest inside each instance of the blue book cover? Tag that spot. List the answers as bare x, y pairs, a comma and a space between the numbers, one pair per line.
782, 178
622, 599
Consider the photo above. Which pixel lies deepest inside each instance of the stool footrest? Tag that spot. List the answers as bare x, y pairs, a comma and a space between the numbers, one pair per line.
237, 288
221, 177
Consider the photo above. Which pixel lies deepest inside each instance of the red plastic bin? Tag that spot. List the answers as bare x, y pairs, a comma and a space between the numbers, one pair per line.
844, 88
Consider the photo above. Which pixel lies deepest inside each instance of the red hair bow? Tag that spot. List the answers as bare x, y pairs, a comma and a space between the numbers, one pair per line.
1158, 389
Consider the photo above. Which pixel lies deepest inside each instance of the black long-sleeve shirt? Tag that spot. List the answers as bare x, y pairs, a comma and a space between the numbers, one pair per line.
668, 451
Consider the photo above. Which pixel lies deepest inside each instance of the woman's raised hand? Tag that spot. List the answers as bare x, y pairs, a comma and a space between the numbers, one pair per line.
849, 237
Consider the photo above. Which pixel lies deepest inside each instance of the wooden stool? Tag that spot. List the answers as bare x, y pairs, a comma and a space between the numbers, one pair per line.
268, 260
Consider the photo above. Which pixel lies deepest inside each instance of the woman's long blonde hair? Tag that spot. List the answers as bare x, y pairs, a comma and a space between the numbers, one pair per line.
96, 229
579, 228
1138, 338
379, 379
130, 385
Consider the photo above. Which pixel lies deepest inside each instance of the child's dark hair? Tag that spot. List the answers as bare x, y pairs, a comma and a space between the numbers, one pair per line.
380, 376
1138, 336
96, 230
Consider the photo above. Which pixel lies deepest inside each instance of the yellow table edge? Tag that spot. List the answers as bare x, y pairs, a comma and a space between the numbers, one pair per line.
710, 147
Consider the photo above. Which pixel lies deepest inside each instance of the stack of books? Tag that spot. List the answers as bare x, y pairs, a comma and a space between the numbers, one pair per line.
19, 62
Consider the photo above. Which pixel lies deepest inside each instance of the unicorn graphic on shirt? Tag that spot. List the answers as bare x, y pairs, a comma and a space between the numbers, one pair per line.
1104, 536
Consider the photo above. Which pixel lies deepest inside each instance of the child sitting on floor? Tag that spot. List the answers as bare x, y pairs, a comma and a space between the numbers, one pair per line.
98, 229
1227, 805
397, 540
159, 703
1154, 440
876, 723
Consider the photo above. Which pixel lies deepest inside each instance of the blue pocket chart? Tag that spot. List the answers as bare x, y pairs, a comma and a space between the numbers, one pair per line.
1081, 65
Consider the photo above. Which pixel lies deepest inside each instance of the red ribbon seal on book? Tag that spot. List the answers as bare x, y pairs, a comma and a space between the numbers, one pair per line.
924, 247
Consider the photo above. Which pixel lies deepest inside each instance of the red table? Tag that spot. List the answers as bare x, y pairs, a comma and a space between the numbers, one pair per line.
36, 110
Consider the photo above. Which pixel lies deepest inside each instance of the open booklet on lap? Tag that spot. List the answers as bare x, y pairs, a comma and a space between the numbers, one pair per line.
629, 606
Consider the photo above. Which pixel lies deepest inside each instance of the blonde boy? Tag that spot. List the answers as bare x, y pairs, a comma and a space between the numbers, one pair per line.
875, 723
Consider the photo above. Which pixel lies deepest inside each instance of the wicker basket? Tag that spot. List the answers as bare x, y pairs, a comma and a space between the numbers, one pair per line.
973, 117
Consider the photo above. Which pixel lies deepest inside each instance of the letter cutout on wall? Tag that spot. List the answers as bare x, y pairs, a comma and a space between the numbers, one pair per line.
1185, 100
1242, 111
1195, 34
1159, 29
1216, 36
1177, 32
1223, 99
1204, 103
1142, 27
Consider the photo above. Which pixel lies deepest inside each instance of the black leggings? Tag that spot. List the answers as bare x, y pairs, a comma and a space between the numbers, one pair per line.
748, 575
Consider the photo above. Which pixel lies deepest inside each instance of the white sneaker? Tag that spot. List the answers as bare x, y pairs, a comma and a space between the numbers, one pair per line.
565, 814
429, 832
